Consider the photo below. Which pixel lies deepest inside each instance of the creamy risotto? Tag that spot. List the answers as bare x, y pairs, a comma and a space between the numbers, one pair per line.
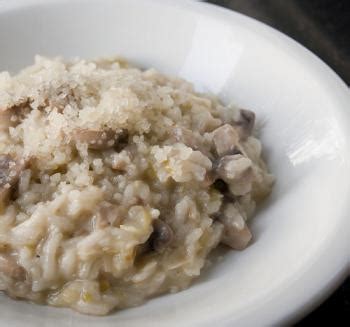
116, 183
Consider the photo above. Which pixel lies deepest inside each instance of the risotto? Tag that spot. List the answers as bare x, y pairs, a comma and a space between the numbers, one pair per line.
116, 183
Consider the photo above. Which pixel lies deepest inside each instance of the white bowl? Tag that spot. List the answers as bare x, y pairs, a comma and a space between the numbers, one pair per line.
301, 249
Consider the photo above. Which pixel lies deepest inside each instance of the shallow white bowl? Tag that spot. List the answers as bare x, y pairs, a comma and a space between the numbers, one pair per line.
301, 249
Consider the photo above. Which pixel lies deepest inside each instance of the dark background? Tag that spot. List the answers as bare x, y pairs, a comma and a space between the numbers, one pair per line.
322, 26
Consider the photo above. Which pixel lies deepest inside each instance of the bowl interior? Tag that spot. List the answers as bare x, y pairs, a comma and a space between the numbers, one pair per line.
300, 107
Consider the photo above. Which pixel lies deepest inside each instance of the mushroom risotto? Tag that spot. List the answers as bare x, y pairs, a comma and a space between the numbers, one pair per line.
116, 183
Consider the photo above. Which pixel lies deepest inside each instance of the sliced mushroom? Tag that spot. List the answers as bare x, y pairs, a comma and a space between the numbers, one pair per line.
245, 123
121, 140
141, 249
100, 140
225, 140
162, 235
236, 233
224, 189
236, 170
10, 268
10, 170
11, 116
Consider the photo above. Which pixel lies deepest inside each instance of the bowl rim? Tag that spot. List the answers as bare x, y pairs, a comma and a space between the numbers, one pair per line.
308, 301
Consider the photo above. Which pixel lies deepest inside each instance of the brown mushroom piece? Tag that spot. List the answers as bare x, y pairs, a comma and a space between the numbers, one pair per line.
236, 170
245, 123
161, 237
10, 268
236, 233
225, 139
10, 170
99, 139
224, 189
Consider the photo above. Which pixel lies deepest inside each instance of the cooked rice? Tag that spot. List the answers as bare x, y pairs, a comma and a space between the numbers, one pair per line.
116, 183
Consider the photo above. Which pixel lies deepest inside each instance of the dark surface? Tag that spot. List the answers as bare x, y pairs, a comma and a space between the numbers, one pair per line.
322, 26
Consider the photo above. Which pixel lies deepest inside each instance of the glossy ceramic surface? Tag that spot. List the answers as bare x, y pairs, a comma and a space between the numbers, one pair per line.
301, 246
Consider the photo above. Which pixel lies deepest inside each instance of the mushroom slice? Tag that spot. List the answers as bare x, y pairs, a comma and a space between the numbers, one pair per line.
11, 116
99, 139
224, 189
10, 268
225, 139
162, 235
245, 123
236, 233
237, 171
